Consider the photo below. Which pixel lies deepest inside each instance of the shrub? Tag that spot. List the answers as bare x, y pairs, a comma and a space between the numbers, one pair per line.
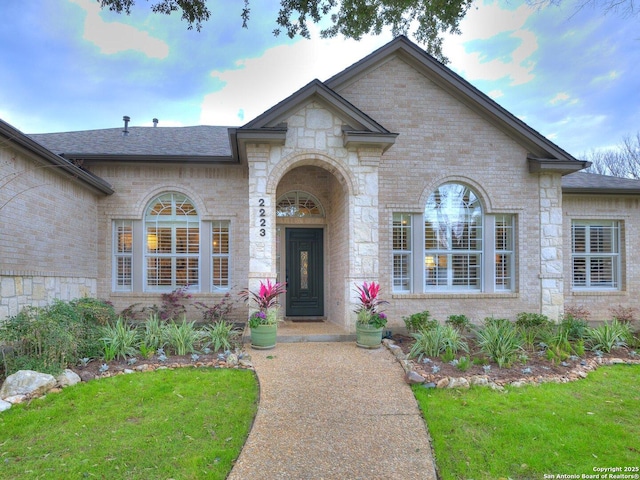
173, 304
154, 334
419, 321
500, 340
575, 328
94, 311
220, 335
623, 314
557, 345
459, 322
182, 338
608, 336
120, 339
464, 363
531, 320
532, 327
577, 313
216, 312
47, 339
434, 341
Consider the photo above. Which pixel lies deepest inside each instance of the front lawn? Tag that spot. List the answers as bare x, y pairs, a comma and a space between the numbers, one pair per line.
525, 433
186, 423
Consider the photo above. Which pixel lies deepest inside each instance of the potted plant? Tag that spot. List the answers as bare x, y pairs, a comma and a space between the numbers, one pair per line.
263, 320
370, 320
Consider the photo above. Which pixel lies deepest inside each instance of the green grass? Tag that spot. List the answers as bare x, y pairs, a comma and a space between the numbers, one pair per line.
527, 432
185, 424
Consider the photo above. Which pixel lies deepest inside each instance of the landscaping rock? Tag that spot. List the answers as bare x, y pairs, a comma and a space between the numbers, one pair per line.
412, 377
4, 405
460, 382
86, 376
68, 378
443, 383
27, 382
243, 362
232, 360
16, 399
480, 380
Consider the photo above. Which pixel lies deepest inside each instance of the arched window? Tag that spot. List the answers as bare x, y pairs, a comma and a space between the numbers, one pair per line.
172, 246
453, 221
298, 204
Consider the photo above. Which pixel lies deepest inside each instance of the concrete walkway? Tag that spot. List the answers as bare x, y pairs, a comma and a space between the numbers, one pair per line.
333, 411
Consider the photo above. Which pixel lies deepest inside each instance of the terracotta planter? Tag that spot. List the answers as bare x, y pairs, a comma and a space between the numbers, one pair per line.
368, 336
263, 337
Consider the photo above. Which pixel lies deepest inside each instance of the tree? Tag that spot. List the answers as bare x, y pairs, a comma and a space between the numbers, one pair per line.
426, 20
622, 161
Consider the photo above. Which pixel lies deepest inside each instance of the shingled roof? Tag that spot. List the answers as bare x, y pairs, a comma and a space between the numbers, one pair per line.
209, 142
581, 182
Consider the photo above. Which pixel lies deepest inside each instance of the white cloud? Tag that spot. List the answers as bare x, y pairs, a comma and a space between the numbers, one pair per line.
256, 84
483, 23
115, 37
495, 94
560, 97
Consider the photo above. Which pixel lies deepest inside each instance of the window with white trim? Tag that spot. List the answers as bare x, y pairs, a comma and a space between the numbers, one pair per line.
122, 255
595, 254
220, 256
172, 246
453, 239
504, 262
460, 249
402, 256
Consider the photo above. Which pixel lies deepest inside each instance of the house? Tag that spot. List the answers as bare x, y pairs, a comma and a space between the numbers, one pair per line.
395, 170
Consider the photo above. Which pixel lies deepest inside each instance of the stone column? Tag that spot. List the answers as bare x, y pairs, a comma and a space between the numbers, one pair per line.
262, 218
364, 265
551, 245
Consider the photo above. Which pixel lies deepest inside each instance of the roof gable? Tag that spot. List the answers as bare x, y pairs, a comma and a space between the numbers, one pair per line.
544, 155
270, 127
316, 91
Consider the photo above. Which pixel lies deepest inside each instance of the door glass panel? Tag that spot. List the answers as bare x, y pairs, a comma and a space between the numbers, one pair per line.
304, 269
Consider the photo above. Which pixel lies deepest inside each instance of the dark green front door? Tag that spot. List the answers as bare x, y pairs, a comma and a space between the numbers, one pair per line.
305, 283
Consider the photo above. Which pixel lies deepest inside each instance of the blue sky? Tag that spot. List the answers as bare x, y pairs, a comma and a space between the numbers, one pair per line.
66, 65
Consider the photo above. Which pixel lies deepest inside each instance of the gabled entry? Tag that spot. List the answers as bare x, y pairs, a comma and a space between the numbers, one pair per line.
305, 276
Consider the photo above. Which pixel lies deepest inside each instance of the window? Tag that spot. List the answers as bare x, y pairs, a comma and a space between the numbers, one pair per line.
123, 255
504, 252
298, 204
453, 239
595, 256
460, 248
220, 255
172, 247
402, 252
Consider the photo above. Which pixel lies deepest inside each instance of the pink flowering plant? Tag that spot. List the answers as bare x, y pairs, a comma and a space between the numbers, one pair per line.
369, 312
264, 302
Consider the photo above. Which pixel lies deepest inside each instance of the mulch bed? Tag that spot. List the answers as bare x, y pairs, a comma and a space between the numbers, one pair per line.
536, 370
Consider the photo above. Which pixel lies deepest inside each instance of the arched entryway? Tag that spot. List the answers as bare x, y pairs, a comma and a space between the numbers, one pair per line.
312, 238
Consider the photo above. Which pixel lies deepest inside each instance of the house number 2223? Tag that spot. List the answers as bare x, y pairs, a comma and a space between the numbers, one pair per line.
262, 213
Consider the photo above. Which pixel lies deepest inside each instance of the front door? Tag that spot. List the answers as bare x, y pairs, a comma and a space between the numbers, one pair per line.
304, 263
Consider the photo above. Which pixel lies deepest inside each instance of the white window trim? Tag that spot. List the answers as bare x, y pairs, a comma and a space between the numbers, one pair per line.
117, 255
408, 253
616, 256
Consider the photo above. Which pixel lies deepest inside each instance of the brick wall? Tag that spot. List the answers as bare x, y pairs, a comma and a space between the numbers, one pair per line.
626, 210
443, 140
218, 192
48, 234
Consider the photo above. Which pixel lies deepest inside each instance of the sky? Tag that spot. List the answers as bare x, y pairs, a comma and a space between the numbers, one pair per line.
571, 74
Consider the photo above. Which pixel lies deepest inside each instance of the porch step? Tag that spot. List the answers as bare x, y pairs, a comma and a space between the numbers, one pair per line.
300, 332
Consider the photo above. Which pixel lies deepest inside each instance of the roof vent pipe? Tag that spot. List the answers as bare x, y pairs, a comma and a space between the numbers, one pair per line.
155, 122
126, 125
